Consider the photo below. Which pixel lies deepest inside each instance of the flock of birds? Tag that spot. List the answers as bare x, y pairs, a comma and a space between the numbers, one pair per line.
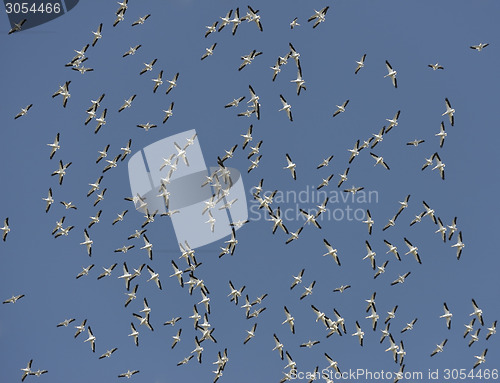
220, 180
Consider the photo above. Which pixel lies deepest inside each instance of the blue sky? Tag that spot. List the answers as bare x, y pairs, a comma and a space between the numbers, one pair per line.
409, 35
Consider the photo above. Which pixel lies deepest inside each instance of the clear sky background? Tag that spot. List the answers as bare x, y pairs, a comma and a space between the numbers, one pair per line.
408, 34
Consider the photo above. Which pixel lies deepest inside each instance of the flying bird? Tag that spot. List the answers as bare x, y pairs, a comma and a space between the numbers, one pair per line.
409, 326
319, 16
55, 146
469, 327
17, 26
80, 328
155, 277
23, 111
27, 370
308, 290
392, 249
412, 250
177, 273
474, 337
439, 347
310, 343
276, 69
63, 91
343, 177
185, 360
370, 254
87, 242
294, 23
379, 160
341, 289
435, 66
447, 315
325, 162
385, 334
310, 218
430, 212
131, 296
120, 217
248, 137
173, 321
299, 81
101, 121
479, 47
369, 221
126, 276
325, 182
172, 83
477, 312
128, 374
459, 245
66, 322
143, 320
108, 353
132, 51
290, 320
286, 107
177, 338
374, 317
297, 279
253, 16
126, 150
85, 271
235, 102
354, 151
442, 229
480, 359
360, 334
247, 59
209, 51
392, 122
148, 67
61, 172
353, 189
440, 165
211, 29
107, 271
391, 314
360, 64
279, 346
49, 201
141, 20
226, 20
236, 20
340, 108
401, 278
168, 112
290, 166
13, 299
380, 269
127, 103
250, 333
449, 111
442, 135
491, 330
415, 142
124, 249
97, 35
391, 73
91, 338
